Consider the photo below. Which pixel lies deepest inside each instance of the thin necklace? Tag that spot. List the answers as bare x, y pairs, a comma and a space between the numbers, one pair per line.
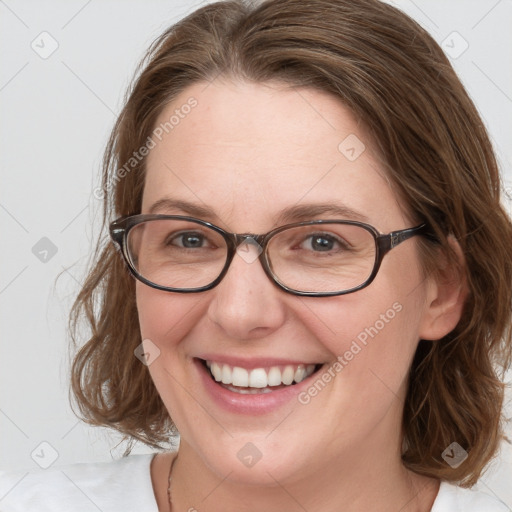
169, 484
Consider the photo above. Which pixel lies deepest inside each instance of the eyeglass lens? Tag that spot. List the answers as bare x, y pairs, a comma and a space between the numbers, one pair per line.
183, 254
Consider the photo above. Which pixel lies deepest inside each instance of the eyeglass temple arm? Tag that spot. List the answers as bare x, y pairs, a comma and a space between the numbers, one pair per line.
117, 230
390, 241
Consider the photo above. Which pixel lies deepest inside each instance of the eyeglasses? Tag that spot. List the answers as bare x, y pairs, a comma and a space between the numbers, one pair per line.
316, 258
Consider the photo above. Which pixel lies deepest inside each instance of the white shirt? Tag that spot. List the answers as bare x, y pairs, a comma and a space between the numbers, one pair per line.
125, 485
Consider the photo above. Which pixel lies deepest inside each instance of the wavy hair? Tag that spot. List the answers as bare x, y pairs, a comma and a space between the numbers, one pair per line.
395, 78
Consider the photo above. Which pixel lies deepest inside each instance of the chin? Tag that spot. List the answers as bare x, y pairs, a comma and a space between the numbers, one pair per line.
254, 460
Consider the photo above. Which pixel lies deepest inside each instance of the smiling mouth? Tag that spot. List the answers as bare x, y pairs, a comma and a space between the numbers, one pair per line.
258, 380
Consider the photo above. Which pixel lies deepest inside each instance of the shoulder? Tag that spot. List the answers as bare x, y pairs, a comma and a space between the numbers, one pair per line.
116, 486
452, 498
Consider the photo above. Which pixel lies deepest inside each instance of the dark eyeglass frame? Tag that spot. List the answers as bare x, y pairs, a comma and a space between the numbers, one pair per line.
384, 243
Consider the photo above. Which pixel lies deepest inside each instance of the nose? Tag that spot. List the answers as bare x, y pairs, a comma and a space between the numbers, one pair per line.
246, 304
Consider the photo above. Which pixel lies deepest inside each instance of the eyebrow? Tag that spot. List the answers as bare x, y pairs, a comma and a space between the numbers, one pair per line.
296, 213
192, 209
302, 212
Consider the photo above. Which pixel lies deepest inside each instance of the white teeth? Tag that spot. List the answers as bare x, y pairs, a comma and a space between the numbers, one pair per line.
300, 372
260, 379
226, 374
240, 377
249, 391
288, 374
216, 371
274, 376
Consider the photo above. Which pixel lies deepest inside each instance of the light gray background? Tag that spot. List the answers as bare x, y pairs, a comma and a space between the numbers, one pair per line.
56, 114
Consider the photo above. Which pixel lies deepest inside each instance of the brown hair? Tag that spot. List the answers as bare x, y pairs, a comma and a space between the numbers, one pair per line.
396, 79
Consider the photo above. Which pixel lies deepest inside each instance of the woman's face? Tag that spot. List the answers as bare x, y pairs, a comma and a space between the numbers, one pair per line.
239, 158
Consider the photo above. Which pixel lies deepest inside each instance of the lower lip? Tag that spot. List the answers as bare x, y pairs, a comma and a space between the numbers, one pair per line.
261, 403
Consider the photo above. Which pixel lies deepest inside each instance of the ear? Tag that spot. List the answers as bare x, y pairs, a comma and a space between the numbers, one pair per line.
446, 294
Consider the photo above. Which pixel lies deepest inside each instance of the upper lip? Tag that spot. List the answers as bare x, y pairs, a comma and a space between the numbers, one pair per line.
256, 362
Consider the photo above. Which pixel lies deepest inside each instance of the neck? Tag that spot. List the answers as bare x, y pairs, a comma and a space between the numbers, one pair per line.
355, 482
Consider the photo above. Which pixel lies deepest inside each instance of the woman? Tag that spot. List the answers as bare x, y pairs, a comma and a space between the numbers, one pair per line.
308, 278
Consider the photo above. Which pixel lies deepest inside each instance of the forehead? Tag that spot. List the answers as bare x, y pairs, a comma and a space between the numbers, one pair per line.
247, 151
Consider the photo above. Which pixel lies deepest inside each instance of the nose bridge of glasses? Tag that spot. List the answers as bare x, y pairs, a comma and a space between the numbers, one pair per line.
248, 238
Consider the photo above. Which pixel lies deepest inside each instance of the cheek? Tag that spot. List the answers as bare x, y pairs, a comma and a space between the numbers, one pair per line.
165, 320
373, 333
165, 317
358, 330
